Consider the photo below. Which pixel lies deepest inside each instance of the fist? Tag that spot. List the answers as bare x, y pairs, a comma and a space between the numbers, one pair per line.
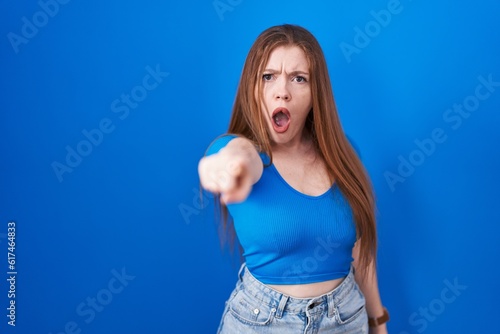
226, 175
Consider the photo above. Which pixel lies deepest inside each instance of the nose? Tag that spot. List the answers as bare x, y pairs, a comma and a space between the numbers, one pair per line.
283, 96
282, 92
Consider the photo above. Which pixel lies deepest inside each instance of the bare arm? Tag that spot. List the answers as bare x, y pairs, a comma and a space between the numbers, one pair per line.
232, 171
369, 287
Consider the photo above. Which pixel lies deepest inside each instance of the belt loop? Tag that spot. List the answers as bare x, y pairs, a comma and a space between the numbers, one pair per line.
240, 272
281, 306
331, 306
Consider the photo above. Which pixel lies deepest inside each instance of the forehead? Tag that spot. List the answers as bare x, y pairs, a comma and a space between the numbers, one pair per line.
291, 58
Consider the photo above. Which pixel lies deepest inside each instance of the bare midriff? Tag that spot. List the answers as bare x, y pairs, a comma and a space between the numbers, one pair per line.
309, 290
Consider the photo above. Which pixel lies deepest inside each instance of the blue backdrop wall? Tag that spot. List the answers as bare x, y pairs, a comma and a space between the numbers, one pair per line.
107, 107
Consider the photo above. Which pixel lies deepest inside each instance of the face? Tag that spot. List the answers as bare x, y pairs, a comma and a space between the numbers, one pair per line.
286, 94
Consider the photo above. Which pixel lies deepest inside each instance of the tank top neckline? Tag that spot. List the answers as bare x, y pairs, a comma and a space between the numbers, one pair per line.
282, 179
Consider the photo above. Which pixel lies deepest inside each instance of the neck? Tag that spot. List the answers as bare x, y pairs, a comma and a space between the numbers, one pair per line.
300, 146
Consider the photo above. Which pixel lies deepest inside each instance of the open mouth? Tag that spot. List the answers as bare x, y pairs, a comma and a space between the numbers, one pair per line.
281, 119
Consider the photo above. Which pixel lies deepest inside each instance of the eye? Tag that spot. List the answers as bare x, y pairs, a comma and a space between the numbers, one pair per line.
300, 79
267, 77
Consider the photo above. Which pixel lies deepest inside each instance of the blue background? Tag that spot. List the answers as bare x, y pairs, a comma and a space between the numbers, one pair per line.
129, 204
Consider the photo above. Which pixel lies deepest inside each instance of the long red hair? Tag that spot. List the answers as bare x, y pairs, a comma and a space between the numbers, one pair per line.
343, 165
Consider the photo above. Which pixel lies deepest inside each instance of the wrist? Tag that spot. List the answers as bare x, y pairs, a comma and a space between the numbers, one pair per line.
380, 320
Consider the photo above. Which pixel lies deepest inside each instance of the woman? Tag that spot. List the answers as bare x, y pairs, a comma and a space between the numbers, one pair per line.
299, 197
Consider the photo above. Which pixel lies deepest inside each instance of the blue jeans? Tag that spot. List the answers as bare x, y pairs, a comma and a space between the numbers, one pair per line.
253, 307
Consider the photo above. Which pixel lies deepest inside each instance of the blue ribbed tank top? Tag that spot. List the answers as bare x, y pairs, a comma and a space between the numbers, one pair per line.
289, 237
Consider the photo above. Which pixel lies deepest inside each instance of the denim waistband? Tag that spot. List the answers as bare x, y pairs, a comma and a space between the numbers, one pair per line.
282, 302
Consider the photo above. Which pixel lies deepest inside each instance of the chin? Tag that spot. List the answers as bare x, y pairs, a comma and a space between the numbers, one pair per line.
281, 138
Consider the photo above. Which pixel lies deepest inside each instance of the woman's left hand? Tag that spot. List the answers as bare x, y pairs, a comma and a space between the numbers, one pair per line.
380, 329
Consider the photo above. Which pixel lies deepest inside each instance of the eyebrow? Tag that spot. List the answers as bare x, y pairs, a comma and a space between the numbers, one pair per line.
268, 70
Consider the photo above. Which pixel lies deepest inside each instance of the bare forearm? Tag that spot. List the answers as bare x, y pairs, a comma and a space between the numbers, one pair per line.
369, 287
368, 283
